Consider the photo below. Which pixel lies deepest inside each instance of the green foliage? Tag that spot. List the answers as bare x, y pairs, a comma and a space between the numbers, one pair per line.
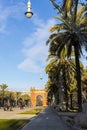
84, 77
67, 39
3, 87
12, 124
34, 111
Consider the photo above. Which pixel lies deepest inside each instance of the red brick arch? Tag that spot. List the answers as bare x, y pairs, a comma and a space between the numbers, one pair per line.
34, 93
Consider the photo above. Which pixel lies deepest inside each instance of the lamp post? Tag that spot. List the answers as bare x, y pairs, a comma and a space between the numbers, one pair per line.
28, 13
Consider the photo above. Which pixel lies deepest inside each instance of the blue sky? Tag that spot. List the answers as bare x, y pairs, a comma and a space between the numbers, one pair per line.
23, 51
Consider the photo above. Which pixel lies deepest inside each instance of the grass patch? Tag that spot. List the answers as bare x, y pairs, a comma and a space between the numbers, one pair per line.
34, 111
12, 124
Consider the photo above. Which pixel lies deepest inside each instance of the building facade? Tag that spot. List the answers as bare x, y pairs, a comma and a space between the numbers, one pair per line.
38, 97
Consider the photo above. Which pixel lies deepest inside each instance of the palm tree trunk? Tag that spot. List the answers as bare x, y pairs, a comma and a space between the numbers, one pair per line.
86, 94
65, 87
2, 97
78, 77
71, 105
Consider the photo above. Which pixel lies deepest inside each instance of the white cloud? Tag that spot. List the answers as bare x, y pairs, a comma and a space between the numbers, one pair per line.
35, 49
6, 12
29, 66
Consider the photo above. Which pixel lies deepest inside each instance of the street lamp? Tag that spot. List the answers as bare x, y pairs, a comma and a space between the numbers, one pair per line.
41, 77
28, 13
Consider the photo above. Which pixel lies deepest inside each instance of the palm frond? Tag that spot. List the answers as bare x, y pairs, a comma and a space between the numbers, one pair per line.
53, 58
67, 24
82, 21
80, 13
60, 49
63, 53
57, 7
68, 5
58, 27
52, 36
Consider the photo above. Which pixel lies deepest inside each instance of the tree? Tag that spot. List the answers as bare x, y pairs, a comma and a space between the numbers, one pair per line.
60, 70
51, 89
72, 32
84, 84
17, 97
3, 87
26, 99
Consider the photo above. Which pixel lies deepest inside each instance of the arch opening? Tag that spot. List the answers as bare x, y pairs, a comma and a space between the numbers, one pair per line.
39, 100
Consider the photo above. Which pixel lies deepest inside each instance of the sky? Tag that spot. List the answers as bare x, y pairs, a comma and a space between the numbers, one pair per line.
23, 49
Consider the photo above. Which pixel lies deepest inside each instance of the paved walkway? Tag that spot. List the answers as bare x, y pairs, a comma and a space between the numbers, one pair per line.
14, 114
46, 120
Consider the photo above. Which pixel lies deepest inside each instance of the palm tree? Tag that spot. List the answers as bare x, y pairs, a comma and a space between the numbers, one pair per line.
26, 99
84, 83
3, 87
72, 32
51, 90
72, 89
17, 97
59, 70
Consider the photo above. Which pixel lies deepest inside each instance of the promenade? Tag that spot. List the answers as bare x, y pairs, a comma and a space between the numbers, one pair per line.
15, 114
46, 120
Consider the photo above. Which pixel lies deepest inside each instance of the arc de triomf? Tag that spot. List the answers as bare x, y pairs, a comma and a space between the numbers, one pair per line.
38, 97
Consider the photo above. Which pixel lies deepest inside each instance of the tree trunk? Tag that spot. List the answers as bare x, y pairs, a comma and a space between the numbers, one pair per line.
78, 77
71, 106
3, 98
65, 87
86, 94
